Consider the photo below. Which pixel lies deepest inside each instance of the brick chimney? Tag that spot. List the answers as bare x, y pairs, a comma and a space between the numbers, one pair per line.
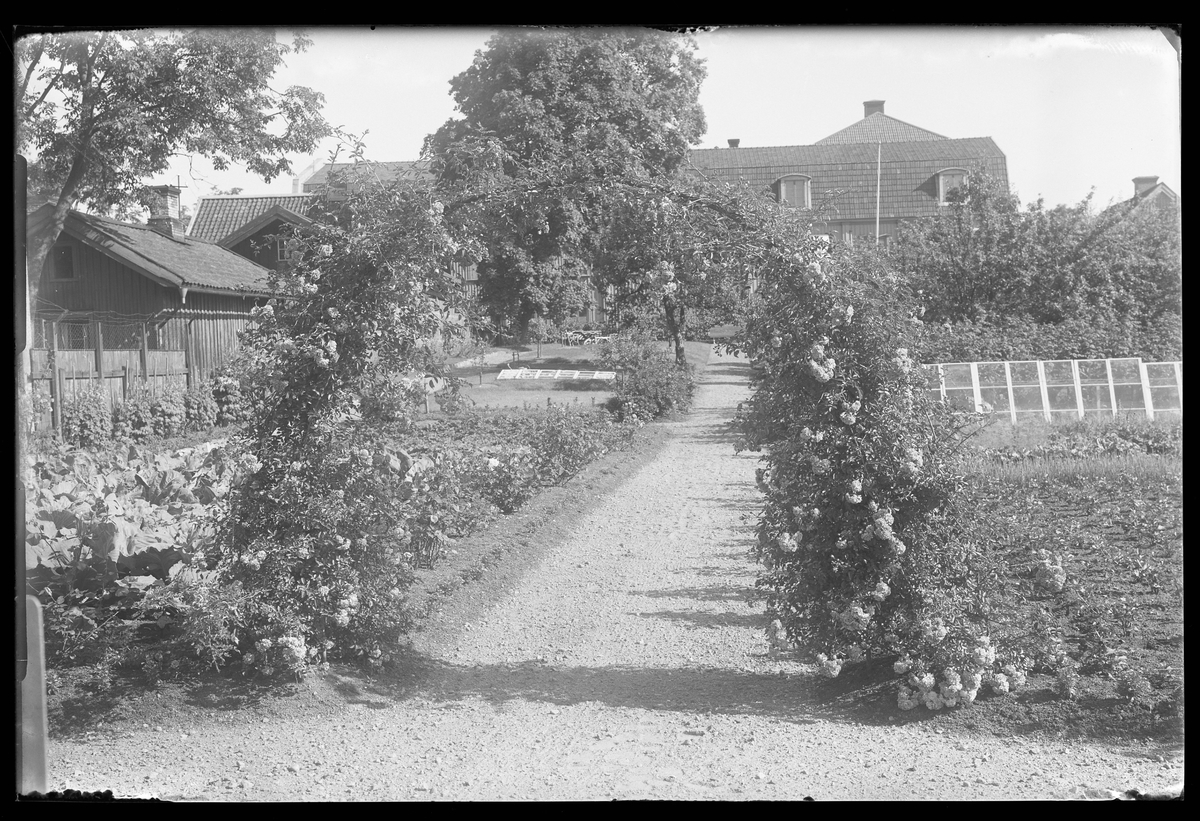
1143, 184
164, 209
734, 143
872, 107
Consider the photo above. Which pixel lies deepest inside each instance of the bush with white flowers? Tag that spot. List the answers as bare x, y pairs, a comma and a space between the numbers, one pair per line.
865, 553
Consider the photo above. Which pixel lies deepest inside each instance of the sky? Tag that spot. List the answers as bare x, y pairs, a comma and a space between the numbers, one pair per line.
1071, 108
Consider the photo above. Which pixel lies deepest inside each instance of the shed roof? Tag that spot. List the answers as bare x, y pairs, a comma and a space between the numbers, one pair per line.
180, 261
218, 217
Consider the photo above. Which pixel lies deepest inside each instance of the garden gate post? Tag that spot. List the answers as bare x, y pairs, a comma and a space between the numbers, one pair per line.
1112, 391
1078, 386
1041, 369
55, 386
124, 383
1147, 399
99, 348
976, 397
187, 351
1012, 405
145, 354
58, 379
1178, 368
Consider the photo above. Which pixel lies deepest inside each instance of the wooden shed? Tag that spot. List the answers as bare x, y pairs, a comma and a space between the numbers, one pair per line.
120, 304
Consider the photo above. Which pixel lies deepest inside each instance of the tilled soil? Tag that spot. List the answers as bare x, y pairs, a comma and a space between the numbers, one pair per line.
629, 663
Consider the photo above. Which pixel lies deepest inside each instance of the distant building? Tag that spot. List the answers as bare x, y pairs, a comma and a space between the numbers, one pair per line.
249, 225
1148, 191
836, 177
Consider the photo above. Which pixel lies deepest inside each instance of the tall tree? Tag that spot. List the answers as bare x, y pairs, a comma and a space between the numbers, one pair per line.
99, 113
580, 108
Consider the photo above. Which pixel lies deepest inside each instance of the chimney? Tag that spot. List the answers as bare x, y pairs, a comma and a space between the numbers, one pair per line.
872, 107
164, 209
295, 185
1143, 184
734, 143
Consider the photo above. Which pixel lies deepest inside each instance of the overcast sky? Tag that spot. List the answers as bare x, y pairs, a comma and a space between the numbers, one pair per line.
1071, 108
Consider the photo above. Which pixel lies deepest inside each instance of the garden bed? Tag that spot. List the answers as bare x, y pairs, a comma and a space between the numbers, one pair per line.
1116, 527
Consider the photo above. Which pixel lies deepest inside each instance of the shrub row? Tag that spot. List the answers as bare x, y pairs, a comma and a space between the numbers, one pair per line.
91, 420
1020, 338
649, 382
144, 538
331, 582
1090, 438
864, 549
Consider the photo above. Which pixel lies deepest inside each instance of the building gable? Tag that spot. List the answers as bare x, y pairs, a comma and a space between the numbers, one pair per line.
218, 218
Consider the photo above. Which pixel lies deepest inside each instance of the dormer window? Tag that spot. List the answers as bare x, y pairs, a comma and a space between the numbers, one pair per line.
949, 180
796, 190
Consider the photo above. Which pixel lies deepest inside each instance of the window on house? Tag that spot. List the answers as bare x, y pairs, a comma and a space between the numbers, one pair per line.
949, 180
796, 191
64, 262
284, 249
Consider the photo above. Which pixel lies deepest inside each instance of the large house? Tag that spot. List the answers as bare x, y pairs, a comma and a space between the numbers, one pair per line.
877, 171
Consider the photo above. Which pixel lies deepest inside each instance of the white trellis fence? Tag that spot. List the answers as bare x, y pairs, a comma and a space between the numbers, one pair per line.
1056, 389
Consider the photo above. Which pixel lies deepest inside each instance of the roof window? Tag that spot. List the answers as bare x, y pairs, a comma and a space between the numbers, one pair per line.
950, 179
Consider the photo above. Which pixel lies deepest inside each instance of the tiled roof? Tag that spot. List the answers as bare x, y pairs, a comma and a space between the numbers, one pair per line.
381, 171
180, 260
218, 217
844, 174
877, 128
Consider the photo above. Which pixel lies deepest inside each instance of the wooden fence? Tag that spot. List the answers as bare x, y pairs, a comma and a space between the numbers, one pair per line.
1064, 388
116, 357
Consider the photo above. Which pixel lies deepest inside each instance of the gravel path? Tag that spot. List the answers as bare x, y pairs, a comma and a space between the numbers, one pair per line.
631, 663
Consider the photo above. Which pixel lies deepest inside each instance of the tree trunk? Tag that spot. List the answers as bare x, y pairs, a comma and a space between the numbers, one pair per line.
675, 320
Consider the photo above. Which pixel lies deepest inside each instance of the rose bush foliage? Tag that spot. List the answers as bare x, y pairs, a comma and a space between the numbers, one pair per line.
319, 532
864, 551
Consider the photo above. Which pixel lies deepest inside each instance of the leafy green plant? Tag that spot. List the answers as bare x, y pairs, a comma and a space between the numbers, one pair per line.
103, 530
232, 406
87, 418
133, 418
168, 412
200, 407
649, 384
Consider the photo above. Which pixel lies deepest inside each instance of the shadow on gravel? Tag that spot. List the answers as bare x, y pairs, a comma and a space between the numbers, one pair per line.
91, 703
745, 505
739, 371
700, 618
697, 690
712, 592
85, 705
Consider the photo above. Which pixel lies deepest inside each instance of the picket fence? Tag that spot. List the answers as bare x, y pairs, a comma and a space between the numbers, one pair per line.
1061, 388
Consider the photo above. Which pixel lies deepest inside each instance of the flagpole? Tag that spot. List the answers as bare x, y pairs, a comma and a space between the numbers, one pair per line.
878, 177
